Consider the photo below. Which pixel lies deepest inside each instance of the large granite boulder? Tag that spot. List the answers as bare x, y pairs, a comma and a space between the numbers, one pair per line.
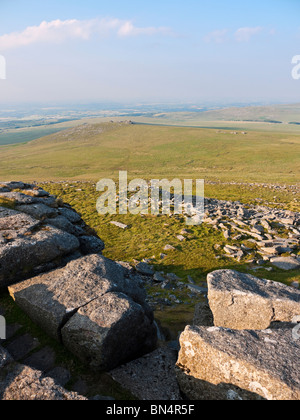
218, 364
53, 265
50, 299
21, 251
36, 231
242, 301
81, 304
109, 331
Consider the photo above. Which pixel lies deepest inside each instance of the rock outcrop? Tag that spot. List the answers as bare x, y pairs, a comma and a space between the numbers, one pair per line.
222, 364
253, 349
56, 273
242, 301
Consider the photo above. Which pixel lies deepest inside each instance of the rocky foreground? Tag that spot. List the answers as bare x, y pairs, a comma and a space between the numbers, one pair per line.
245, 341
249, 348
54, 270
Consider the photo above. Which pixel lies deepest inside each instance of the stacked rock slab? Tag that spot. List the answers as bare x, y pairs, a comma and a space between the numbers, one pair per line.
98, 312
37, 233
56, 273
253, 349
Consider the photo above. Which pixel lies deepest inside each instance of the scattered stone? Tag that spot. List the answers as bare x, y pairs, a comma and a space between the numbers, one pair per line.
197, 289
158, 278
286, 263
190, 280
145, 269
119, 225
169, 248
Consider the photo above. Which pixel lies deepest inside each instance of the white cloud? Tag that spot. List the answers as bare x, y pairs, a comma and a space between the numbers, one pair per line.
128, 29
58, 31
216, 36
245, 34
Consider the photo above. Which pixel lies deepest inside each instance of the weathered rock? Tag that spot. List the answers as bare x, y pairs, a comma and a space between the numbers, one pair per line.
203, 316
16, 185
145, 269
51, 298
242, 301
286, 263
20, 255
169, 248
219, 364
69, 214
158, 278
61, 222
21, 198
157, 369
119, 225
21, 383
91, 245
14, 223
108, 331
38, 211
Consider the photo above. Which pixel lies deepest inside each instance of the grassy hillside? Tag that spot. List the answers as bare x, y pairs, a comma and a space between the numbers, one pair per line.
94, 151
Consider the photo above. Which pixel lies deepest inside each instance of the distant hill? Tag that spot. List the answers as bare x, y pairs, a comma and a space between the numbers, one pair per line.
95, 151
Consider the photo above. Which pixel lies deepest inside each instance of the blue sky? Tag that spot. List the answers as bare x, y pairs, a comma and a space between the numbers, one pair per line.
158, 51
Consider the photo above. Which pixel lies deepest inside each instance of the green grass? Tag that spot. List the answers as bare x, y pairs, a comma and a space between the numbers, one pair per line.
147, 236
96, 151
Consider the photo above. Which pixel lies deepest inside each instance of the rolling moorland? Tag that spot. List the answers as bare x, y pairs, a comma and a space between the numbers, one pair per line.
254, 163
19, 126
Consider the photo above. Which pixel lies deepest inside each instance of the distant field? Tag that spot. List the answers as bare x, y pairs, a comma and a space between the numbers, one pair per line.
276, 118
94, 151
25, 135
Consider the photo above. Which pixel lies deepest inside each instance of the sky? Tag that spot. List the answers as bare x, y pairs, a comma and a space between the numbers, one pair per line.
133, 51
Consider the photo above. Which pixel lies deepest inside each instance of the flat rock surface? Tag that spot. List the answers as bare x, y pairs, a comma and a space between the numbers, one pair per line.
286, 263
217, 363
242, 301
50, 298
25, 251
151, 377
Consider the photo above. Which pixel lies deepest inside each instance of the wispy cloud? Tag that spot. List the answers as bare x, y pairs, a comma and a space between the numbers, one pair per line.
58, 31
217, 36
245, 34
